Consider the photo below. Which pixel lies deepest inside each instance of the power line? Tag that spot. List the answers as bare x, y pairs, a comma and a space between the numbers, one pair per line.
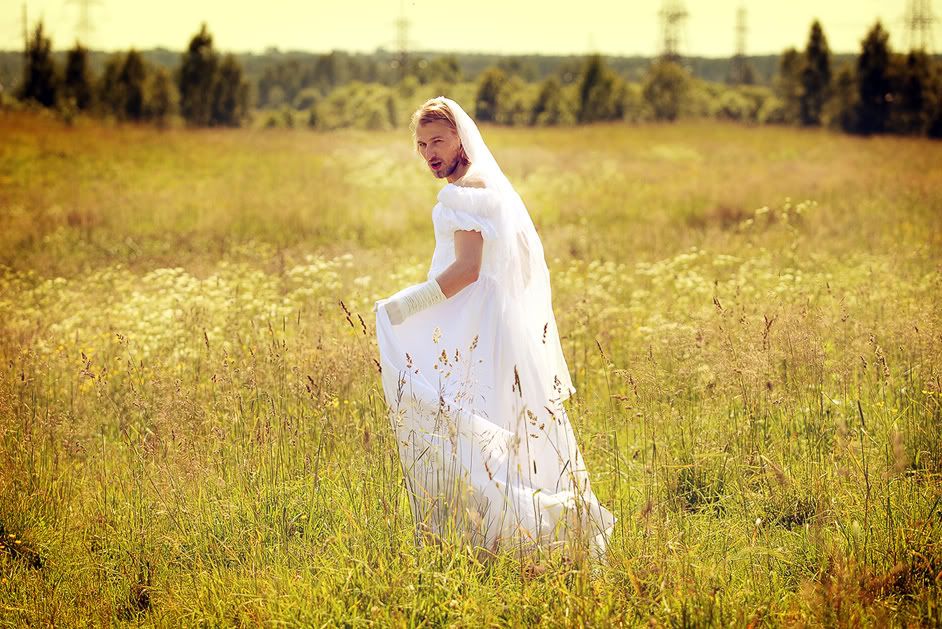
673, 18
83, 26
739, 58
741, 31
402, 41
919, 25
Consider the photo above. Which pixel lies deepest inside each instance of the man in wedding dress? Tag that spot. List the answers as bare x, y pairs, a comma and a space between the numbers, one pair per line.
473, 370
438, 143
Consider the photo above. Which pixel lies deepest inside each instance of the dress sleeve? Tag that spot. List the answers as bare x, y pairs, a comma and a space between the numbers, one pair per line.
466, 208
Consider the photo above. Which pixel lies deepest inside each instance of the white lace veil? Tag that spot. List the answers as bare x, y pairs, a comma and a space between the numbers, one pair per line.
522, 272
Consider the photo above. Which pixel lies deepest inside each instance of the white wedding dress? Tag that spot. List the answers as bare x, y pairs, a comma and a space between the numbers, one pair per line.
475, 394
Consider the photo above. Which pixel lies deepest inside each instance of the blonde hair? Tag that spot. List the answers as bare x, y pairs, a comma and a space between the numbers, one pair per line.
433, 110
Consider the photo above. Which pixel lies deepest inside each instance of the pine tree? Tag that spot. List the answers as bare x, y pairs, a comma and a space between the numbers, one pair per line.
230, 94
815, 77
934, 103
911, 77
873, 79
131, 80
77, 82
842, 108
110, 95
196, 78
40, 83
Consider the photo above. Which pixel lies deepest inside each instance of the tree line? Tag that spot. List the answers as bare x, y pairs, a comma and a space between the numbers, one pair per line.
876, 91
205, 89
882, 91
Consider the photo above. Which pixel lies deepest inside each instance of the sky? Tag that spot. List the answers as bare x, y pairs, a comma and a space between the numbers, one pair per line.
609, 27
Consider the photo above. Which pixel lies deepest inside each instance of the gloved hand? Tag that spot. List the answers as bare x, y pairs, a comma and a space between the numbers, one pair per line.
411, 300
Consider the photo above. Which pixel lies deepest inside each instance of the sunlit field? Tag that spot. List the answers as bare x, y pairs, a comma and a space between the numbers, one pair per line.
193, 429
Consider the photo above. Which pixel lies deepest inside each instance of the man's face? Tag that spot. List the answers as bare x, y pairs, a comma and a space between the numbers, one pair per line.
440, 146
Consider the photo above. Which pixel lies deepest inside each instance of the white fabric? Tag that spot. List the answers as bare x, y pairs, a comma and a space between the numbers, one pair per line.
414, 299
475, 383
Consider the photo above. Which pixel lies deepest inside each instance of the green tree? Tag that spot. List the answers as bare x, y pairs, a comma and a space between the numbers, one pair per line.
196, 79
788, 84
873, 80
570, 70
666, 86
523, 68
110, 96
547, 109
842, 108
230, 94
732, 105
162, 97
332, 69
772, 111
623, 103
131, 81
40, 83
445, 69
487, 100
911, 77
628, 99
513, 106
815, 77
597, 87
77, 82
934, 103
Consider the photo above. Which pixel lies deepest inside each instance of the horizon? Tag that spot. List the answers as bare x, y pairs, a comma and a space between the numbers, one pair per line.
62, 50
625, 32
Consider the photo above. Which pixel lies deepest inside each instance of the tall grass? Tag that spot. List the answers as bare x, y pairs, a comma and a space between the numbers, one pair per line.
193, 430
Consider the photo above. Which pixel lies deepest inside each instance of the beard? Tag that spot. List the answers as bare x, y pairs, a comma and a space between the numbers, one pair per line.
447, 170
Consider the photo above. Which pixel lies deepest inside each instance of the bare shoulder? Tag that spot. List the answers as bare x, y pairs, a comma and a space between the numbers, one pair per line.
472, 182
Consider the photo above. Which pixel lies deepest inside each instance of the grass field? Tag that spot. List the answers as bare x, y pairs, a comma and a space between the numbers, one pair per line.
192, 429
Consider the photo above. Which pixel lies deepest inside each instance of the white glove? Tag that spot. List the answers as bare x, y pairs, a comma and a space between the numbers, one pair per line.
411, 300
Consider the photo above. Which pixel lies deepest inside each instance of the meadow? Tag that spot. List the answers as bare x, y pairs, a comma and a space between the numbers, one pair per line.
193, 430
